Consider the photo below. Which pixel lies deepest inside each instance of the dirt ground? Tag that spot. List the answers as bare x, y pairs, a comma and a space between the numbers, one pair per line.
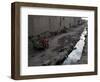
59, 48
84, 57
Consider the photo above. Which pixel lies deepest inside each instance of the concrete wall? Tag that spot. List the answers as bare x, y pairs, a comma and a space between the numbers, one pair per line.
40, 24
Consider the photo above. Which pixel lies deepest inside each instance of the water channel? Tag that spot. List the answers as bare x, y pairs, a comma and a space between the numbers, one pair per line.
76, 54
